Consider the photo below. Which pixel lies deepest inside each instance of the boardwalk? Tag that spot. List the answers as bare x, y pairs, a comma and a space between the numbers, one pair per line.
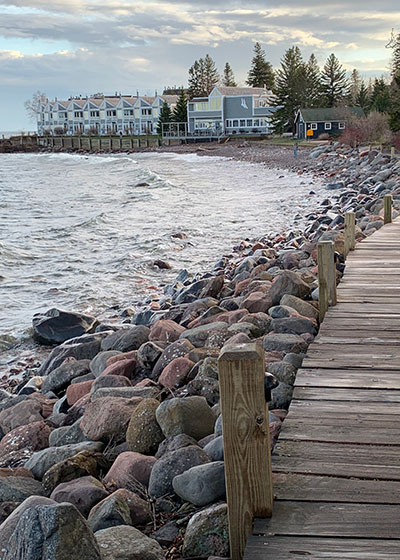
337, 463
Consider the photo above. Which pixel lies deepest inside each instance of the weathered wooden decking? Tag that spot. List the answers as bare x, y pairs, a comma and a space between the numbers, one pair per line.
337, 463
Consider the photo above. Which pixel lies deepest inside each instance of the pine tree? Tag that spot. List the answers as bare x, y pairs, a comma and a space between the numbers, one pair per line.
363, 99
261, 72
290, 86
180, 111
165, 117
354, 87
334, 83
312, 96
211, 76
394, 116
228, 78
203, 77
380, 97
396, 56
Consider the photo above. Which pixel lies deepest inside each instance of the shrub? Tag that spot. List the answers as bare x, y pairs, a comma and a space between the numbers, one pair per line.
372, 128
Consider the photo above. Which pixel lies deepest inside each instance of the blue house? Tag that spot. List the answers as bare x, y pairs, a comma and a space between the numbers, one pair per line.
311, 123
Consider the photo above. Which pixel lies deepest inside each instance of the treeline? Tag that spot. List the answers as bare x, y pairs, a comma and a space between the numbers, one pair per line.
302, 83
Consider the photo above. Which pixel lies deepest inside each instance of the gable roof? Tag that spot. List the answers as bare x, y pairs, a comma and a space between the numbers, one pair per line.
327, 114
241, 90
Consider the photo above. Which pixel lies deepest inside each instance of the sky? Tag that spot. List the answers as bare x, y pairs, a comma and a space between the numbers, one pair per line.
79, 47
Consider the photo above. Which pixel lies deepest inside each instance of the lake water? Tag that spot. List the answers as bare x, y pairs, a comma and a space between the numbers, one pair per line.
82, 232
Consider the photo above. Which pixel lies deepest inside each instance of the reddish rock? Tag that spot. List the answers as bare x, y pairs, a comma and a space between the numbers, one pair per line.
239, 338
22, 413
122, 356
121, 367
174, 375
166, 330
139, 509
78, 390
46, 404
17, 471
146, 382
18, 445
83, 493
257, 302
242, 286
274, 356
128, 469
107, 418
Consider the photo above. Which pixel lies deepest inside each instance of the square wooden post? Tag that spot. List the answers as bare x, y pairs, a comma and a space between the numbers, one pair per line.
326, 277
387, 209
247, 451
349, 232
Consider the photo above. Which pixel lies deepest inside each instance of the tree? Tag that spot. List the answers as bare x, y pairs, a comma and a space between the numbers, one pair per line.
363, 99
165, 117
180, 111
394, 115
290, 86
203, 77
354, 87
228, 78
261, 73
32, 105
396, 56
334, 83
313, 83
380, 97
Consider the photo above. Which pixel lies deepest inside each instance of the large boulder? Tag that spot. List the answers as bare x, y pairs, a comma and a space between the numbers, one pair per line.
148, 354
127, 339
107, 418
99, 363
175, 350
127, 543
83, 493
175, 373
173, 464
288, 282
191, 416
199, 335
110, 512
201, 485
85, 463
56, 326
19, 444
18, 488
302, 307
144, 434
21, 414
284, 343
166, 330
128, 469
294, 325
51, 532
207, 533
61, 377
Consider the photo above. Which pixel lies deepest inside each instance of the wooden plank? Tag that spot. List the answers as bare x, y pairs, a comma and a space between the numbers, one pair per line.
339, 434
335, 337
299, 548
347, 323
348, 378
347, 406
358, 395
331, 520
307, 488
246, 441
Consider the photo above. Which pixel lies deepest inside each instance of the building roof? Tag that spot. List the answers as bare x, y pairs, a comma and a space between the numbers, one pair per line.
242, 90
171, 99
327, 114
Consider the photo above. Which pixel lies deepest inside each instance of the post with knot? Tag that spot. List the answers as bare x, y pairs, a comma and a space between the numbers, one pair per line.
247, 451
387, 208
349, 232
326, 277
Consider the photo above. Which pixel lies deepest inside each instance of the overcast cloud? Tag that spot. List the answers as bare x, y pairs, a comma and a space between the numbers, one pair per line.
79, 47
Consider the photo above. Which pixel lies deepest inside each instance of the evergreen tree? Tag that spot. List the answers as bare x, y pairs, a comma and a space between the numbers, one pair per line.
354, 87
380, 97
228, 78
312, 96
261, 72
180, 111
363, 99
394, 116
203, 77
334, 83
165, 117
290, 86
396, 56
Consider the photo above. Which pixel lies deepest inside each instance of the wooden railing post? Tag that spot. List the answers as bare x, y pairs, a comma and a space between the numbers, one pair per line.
387, 209
349, 232
326, 277
392, 152
247, 451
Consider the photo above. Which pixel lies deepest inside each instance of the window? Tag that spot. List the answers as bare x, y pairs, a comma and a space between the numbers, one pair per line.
63, 115
95, 113
128, 112
111, 113
342, 126
146, 112
78, 114
314, 126
215, 103
249, 122
256, 122
203, 106
242, 122
328, 126
235, 123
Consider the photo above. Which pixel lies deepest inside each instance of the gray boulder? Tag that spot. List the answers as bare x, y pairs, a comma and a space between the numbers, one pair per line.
18, 488
66, 435
126, 340
62, 376
110, 512
127, 543
175, 350
191, 416
302, 307
294, 325
201, 485
56, 326
99, 363
215, 449
288, 282
284, 343
199, 335
207, 533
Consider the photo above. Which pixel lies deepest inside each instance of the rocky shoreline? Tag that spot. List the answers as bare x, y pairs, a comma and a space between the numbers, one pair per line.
117, 433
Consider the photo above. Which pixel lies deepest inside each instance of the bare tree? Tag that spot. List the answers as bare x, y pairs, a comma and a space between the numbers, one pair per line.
32, 105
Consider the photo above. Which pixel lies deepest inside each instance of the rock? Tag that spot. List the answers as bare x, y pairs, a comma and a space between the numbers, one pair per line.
207, 533
302, 307
127, 543
139, 509
175, 373
110, 381
281, 396
107, 419
173, 464
294, 359
199, 335
83, 493
51, 532
22, 413
128, 469
294, 325
201, 485
215, 449
99, 363
284, 342
124, 368
257, 302
284, 372
166, 330
148, 354
85, 463
204, 387
61, 377
167, 534
174, 443
19, 444
126, 340
66, 435
77, 391
174, 350
191, 416
41, 461
6, 509
56, 326
288, 282
144, 434
18, 488
127, 392
206, 288
110, 512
